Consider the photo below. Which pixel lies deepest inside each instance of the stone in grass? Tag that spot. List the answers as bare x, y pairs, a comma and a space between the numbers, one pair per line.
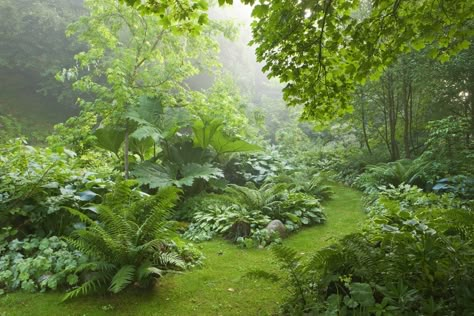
277, 226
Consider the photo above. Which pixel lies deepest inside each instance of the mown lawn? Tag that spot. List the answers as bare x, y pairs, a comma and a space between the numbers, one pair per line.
218, 288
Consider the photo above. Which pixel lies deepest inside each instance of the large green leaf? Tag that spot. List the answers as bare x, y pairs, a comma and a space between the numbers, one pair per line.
210, 133
184, 152
193, 171
156, 176
146, 131
224, 144
110, 138
142, 146
204, 132
362, 293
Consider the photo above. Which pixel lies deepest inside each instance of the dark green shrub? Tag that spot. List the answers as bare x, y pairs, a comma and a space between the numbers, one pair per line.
37, 183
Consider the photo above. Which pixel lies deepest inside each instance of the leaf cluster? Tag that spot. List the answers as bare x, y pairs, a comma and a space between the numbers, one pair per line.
35, 264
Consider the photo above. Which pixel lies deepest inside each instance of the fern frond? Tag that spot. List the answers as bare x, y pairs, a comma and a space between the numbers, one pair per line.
91, 286
146, 269
114, 221
83, 217
122, 278
288, 257
168, 259
121, 197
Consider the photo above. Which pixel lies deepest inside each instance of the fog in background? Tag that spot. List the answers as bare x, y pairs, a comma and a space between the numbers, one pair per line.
33, 47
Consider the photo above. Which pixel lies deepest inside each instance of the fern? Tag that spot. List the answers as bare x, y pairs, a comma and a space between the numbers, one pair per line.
124, 276
169, 260
91, 286
128, 241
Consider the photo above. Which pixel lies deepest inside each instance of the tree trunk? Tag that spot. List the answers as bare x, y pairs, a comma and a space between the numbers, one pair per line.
125, 152
392, 118
407, 95
364, 124
471, 103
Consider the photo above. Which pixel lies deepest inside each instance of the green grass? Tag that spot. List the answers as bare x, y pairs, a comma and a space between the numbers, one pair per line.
218, 288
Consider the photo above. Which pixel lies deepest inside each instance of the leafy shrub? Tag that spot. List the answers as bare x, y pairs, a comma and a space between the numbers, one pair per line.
408, 197
384, 174
241, 211
348, 165
306, 182
232, 221
448, 147
131, 243
260, 238
460, 186
36, 183
256, 168
34, 264
408, 261
300, 209
262, 200
189, 206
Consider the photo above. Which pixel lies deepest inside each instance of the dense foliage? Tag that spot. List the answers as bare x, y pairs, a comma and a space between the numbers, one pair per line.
415, 256
169, 146
37, 183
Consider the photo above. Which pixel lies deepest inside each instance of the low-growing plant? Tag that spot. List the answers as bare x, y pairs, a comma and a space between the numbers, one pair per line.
460, 186
260, 238
35, 264
301, 210
305, 182
232, 222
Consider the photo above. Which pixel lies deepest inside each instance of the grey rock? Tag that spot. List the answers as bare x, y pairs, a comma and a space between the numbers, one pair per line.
277, 226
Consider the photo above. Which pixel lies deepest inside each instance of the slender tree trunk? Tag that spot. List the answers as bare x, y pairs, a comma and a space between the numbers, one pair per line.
385, 120
471, 104
406, 114
412, 139
125, 151
392, 119
364, 124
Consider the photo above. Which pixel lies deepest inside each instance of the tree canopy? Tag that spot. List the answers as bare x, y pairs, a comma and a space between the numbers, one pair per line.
321, 50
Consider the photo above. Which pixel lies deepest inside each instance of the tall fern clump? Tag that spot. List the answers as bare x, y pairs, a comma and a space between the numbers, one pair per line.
130, 243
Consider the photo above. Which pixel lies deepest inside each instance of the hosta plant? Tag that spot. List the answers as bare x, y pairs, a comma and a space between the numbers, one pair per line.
298, 209
231, 221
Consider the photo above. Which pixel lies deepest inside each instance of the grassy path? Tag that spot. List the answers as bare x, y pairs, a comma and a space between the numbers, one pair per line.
216, 289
